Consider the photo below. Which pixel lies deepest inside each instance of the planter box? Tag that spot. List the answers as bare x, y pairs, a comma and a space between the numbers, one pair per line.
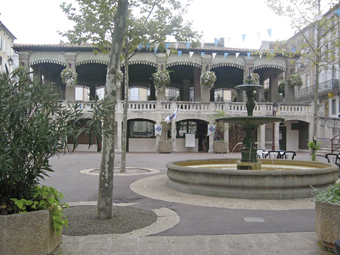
327, 223
220, 147
165, 146
28, 233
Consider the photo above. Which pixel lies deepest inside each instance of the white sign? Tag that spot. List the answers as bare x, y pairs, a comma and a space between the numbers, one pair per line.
189, 140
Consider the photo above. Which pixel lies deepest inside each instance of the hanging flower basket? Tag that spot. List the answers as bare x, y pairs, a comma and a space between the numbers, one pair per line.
254, 79
208, 79
161, 79
69, 77
295, 80
120, 78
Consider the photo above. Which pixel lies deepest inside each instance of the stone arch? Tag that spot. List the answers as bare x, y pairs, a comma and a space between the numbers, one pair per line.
142, 62
213, 66
47, 61
183, 63
92, 61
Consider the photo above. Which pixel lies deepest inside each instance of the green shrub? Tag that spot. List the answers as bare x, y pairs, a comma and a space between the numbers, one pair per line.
329, 195
44, 198
33, 127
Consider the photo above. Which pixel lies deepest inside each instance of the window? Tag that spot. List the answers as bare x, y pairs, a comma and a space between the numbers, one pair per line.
171, 94
134, 94
333, 107
141, 129
82, 93
100, 92
185, 126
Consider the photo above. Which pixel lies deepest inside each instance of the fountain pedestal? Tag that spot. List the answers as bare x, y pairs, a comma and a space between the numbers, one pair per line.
249, 125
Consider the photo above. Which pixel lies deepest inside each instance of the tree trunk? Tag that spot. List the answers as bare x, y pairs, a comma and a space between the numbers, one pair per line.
105, 191
126, 99
317, 72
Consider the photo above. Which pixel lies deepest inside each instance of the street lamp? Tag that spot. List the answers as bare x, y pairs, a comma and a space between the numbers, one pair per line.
275, 108
302, 68
10, 61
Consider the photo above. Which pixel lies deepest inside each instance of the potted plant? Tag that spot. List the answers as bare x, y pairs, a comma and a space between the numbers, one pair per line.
295, 80
208, 79
69, 77
161, 79
33, 127
220, 146
165, 146
327, 215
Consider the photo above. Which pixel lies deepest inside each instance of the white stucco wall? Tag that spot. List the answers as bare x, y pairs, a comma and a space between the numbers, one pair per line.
142, 144
292, 137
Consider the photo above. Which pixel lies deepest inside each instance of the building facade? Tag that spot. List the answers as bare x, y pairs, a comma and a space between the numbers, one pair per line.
323, 34
195, 105
6, 51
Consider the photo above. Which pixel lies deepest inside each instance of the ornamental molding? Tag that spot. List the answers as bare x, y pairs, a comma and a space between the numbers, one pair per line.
141, 62
143, 58
92, 61
46, 57
183, 63
184, 59
91, 58
230, 61
276, 63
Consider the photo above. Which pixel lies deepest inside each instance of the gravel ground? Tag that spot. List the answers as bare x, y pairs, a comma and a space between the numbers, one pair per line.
83, 220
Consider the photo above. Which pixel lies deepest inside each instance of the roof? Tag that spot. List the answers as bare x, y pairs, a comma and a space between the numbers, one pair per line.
7, 31
87, 47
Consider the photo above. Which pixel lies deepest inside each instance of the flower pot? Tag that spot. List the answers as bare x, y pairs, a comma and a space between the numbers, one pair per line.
28, 233
165, 146
220, 147
327, 223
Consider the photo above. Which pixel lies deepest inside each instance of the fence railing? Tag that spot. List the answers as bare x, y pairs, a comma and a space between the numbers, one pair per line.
323, 87
230, 108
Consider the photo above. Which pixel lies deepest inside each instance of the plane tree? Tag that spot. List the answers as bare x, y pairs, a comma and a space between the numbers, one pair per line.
96, 22
317, 40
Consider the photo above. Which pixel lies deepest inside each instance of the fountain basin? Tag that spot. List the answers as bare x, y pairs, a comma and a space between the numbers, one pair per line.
291, 179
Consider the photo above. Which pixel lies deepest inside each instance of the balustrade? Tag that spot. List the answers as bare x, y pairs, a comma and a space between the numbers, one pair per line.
229, 108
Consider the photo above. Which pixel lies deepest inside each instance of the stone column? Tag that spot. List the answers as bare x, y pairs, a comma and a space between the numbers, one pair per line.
226, 135
158, 137
70, 58
24, 58
289, 89
211, 141
261, 137
248, 68
119, 136
185, 91
161, 65
274, 85
206, 66
37, 75
197, 85
277, 135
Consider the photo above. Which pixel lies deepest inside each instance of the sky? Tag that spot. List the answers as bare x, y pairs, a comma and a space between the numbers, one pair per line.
37, 21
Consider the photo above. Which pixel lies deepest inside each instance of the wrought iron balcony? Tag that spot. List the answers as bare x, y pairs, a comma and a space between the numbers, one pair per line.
324, 88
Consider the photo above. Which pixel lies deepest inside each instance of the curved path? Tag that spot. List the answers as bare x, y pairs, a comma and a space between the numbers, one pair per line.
195, 224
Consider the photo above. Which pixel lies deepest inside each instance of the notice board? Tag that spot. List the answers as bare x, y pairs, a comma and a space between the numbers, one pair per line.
190, 140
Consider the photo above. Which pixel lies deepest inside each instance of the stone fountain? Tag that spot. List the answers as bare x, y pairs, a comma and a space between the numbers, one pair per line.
249, 124
268, 178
